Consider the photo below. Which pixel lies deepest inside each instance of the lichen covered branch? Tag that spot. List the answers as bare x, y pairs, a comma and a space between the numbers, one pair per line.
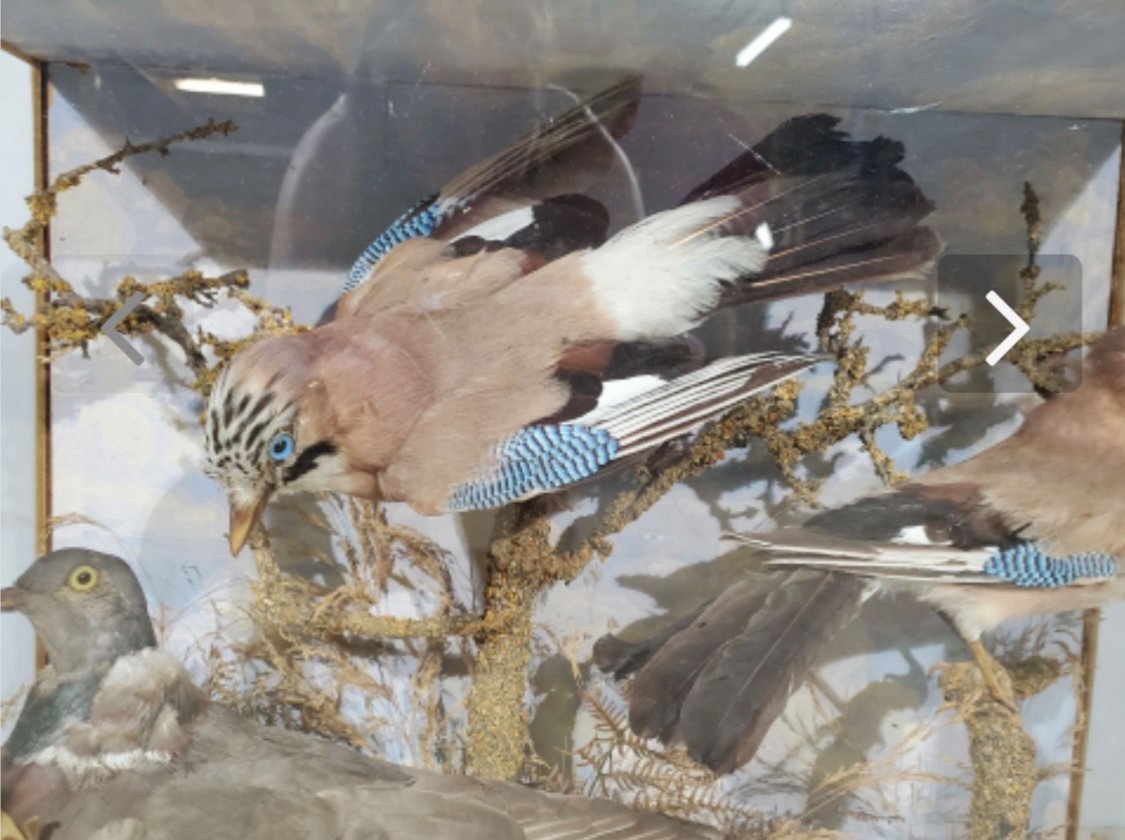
304, 628
72, 321
524, 563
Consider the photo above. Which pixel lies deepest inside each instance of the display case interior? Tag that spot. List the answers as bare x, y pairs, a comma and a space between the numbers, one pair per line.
466, 642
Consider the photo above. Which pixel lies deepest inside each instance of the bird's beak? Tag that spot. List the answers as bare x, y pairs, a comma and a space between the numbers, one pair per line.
12, 599
242, 519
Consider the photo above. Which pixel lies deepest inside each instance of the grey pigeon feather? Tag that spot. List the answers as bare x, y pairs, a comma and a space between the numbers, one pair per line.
116, 743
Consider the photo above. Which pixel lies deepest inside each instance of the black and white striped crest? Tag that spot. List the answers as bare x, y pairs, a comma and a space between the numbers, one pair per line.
241, 423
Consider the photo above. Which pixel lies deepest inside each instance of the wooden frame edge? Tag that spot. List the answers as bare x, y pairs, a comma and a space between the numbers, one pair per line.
42, 490
1091, 619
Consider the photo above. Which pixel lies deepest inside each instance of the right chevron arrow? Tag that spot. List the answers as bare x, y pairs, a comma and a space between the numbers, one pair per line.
1019, 328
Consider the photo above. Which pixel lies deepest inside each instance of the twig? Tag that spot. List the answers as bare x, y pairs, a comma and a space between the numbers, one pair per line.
71, 321
523, 562
299, 621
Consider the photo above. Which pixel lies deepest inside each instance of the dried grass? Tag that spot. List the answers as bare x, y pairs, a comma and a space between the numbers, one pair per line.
319, 655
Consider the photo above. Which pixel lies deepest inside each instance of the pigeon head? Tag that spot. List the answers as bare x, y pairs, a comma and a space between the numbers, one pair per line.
262, 435
86, 606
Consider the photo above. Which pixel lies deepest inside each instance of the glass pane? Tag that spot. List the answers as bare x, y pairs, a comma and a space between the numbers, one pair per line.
345, 120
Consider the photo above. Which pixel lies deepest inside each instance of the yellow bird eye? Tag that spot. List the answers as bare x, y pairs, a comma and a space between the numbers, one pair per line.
83, 579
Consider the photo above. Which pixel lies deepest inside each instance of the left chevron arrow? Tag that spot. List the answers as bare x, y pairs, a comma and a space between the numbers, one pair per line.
114, 321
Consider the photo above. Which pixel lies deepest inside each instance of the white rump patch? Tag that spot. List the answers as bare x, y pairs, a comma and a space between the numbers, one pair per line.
658, 277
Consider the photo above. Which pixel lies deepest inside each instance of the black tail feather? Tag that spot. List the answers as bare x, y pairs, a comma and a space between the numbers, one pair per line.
838, 210
805, 146
907, 257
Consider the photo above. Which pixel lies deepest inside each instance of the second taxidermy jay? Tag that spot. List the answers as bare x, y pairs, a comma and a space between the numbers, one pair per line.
1032, 525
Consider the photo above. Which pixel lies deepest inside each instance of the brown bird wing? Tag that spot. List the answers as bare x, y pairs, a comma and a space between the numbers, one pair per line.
720, 679
746, 684
429, 273
566, 143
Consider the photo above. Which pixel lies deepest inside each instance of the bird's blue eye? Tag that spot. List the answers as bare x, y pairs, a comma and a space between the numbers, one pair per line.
281, 447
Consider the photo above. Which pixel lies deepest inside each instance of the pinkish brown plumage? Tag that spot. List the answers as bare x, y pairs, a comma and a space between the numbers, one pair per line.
1032, 525
471, 373
1059, 481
